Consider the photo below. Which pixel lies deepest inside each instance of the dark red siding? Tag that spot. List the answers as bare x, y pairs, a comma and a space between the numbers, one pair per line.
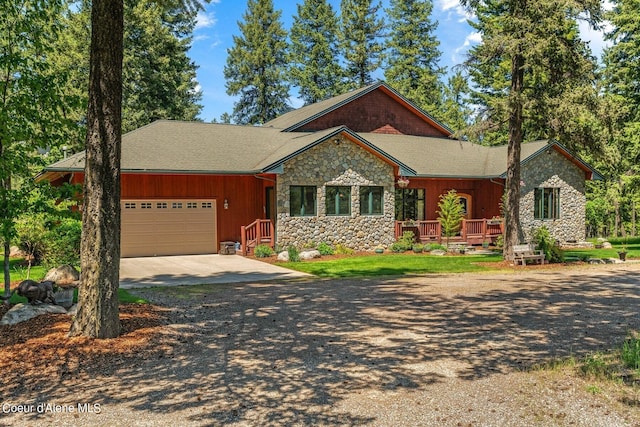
245, 195
375, 111
485, 195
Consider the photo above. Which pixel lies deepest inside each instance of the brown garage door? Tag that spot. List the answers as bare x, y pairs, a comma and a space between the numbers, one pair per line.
168, 227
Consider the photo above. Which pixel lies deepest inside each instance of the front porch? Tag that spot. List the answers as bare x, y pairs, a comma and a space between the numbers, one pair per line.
472, 231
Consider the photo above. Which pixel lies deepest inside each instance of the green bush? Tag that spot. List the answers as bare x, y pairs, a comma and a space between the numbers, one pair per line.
63, 243
294, 255
325, 249
343, 250
418, 248
631, 353
263, 251
543, 240
398, 247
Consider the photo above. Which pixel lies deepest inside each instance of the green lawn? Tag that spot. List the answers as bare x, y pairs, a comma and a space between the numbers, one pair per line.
19, 273
631, 245
393, 264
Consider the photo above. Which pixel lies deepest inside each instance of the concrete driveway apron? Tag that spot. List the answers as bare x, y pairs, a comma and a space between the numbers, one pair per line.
198, 270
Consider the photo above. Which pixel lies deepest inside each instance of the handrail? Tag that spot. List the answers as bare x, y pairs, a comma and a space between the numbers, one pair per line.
472, 230
260, 231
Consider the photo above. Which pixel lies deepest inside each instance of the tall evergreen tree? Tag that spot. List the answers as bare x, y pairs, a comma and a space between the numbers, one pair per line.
455, 111
159, 79
98, 304
314, 65
412, 53
622, 83
256, 65
360, 32
532, 62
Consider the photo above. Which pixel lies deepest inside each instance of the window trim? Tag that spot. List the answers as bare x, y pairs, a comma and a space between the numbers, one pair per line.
335, 203
302, 189
541, 197
370, 202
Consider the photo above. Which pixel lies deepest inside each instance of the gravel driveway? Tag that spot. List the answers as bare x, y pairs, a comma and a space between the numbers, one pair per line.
446, 350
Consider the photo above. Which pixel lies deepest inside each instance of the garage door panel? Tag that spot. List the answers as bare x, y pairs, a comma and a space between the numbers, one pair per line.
168, 227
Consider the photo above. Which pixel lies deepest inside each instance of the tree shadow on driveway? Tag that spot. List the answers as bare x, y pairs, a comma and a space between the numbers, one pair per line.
288, 353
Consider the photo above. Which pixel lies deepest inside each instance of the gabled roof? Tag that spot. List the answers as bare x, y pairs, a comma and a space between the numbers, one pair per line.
175, 147
295, 119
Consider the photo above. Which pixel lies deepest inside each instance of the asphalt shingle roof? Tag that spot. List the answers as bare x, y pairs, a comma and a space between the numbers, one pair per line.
193, 147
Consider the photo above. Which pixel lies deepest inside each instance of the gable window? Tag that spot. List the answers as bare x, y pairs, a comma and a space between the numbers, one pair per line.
338, 200
547, 203
371, 200
410, 203
302, 200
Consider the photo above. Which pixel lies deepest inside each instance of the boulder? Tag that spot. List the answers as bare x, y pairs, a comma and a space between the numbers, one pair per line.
438, 252
23, 312
606, 245
16, 252
304, 255
63, 275
283, 256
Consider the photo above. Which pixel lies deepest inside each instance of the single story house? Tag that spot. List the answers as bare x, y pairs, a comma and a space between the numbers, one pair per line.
357, 170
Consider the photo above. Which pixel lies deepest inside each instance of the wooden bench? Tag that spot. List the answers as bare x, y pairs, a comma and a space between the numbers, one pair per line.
523, 253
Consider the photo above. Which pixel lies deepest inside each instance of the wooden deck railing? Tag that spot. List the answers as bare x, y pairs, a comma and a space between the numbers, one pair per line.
472, 231
261, 231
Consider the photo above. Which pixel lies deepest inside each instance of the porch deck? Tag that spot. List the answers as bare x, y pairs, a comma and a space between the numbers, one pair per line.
472, 231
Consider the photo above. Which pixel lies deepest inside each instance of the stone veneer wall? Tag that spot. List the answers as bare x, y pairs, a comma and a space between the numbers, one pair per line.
554, 171
344, 164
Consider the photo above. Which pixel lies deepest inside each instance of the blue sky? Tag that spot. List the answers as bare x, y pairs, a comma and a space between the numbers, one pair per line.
219, 22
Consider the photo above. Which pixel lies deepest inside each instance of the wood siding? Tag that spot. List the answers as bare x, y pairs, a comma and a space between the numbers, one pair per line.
245, 195
375, 112
485, 194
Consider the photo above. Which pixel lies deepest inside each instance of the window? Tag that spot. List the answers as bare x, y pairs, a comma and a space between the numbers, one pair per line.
129, 205
547, 203
176, 205
410, 203
371, 200
146, 205
338, 200
302, 200
161, 205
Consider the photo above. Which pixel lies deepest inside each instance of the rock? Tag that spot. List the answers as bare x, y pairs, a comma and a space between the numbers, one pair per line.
283, 256
613, 261
595, 261
63, 275
304, 255
23, 312
438, 252
16, 252
606, 245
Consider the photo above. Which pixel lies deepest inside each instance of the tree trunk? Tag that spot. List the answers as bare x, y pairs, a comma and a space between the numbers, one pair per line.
98, 308
512, 233
7, 271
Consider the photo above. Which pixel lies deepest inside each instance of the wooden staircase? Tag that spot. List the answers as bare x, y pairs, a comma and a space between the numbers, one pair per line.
259, 232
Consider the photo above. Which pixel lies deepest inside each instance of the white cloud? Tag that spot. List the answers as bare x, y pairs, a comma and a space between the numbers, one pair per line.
471, 39
205, 20
454, 10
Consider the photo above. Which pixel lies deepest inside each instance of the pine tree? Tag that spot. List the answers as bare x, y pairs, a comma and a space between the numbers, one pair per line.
455, 111
621, 164
530, 67
314, 65
360, 32
412, 53
256, 65
158, 76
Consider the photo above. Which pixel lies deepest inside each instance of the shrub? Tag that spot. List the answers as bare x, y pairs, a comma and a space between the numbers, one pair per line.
631, 353
398, 247
418, 247
343, 250
450, 213
63, 243
263, 251
325, 249
543, 240
294, 255
31, 236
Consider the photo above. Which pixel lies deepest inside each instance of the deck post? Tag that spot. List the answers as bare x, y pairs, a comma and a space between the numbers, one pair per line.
243, 240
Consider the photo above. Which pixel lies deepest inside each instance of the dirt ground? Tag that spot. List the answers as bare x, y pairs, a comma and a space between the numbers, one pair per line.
432, 350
